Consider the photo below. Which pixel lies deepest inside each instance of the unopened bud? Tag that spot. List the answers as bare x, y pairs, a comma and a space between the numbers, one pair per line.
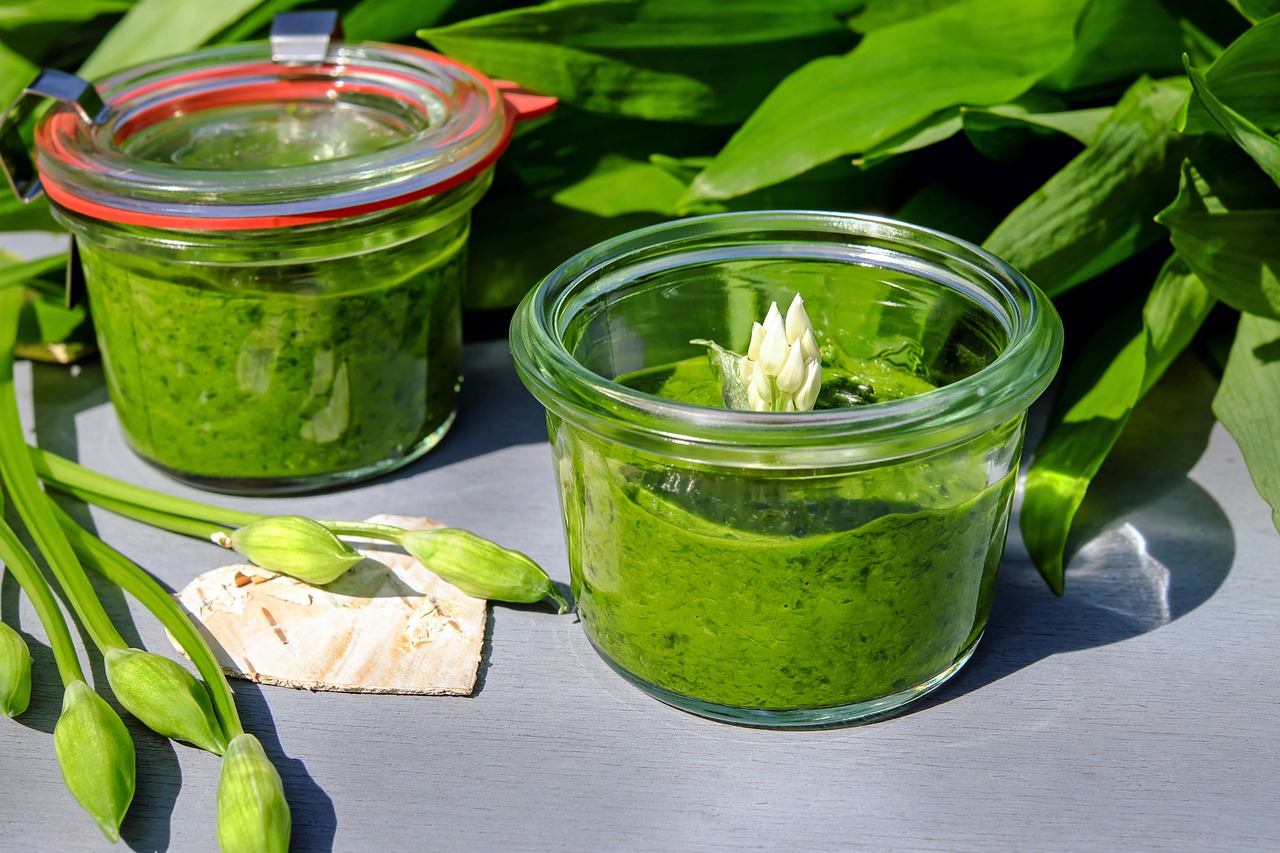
96, 755
253, 815
295, 546
797, 320
15, 672
481, 568
791, 377
168, 699
773, 351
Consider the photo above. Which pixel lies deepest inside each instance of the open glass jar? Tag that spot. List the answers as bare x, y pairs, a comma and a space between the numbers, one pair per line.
274, 247
786, 569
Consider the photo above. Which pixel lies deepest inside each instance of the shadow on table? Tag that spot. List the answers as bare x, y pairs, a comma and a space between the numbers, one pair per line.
1148, 546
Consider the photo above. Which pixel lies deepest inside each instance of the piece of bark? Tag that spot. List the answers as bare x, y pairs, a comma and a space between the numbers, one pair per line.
386, 626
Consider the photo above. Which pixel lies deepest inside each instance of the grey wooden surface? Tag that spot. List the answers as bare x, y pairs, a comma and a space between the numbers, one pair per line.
1139, 712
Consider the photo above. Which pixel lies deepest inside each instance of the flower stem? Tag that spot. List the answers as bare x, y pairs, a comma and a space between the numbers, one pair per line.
164, 520
367, 529
24, 486
64, 473
19, 561
130, 577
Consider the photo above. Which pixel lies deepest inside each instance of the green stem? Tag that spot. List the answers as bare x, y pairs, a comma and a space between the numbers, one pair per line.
65, 473
367, 529
163, 520
130, 577
16, 557
24, 486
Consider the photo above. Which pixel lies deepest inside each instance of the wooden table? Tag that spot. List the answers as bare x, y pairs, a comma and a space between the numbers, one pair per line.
1139, 712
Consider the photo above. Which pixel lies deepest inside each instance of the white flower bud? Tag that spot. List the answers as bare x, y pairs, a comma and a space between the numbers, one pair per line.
760, 382
773, 351
808, 393
745, 366
797, 320
809, 346
791, 377
757, 338
753, 399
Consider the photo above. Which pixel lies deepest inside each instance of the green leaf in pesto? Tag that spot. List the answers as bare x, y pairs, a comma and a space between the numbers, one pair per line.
1246, 77
1225, 223
1263, 148
1248, 399
1118, 367
156, 28
1097, 211
1118, 40
674, 60
976, 52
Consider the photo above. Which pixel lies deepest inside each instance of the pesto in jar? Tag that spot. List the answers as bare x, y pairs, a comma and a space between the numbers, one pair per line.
235, 375
780, 590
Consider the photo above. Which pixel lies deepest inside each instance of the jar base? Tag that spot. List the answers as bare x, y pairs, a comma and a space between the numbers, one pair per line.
266, 486
856, 713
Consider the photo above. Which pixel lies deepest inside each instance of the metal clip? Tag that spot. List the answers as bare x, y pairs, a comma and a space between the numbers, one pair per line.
303, 38
15, 159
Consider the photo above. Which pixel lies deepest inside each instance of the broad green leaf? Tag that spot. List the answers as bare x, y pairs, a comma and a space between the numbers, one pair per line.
1247, 402
676, 60
23, 12
1080, 125
879, 14
14, 272
1264, 149
16, 216
15, 73
976, 52
1225, 223
257, 21
620, 185
1120, 364
938, 127
1256, 10
1097, 211
1118, 40
1246, 77
386, 20
156, 28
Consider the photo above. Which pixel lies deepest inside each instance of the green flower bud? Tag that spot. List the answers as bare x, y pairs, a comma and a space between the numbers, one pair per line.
253, 815
15, 672
296, 546
164, 696
96, 755
481, 568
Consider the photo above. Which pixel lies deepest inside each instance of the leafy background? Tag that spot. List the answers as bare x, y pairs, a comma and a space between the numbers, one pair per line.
1121, 153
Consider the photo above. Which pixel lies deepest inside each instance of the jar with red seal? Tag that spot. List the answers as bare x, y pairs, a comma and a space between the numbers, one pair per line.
273, 237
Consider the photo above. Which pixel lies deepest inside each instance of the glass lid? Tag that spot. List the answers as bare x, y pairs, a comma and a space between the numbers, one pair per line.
230, 138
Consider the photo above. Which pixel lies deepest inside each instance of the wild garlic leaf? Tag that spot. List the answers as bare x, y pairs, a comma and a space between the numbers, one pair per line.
1256, 10
976, 52
1097, 211
1263, 148
1225, 223
156, 28
993, 130
18, 14
1246, 77
1248, 399
676, 60
1116, 41
1118, 366
879, 14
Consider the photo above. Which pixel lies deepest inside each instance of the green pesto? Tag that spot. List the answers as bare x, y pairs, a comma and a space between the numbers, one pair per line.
261, 373
780, 590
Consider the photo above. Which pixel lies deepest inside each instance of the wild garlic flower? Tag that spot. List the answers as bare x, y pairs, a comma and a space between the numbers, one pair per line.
782, 370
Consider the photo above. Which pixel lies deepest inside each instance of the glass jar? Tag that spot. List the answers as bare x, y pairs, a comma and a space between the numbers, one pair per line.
275, 250
786, 569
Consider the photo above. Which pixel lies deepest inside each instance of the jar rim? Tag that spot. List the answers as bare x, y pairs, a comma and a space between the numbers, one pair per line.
452, 123
1002, 390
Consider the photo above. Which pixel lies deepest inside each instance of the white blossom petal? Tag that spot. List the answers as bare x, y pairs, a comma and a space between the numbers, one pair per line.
797, 320
809, 346
792, 374
773, 350
757, 338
